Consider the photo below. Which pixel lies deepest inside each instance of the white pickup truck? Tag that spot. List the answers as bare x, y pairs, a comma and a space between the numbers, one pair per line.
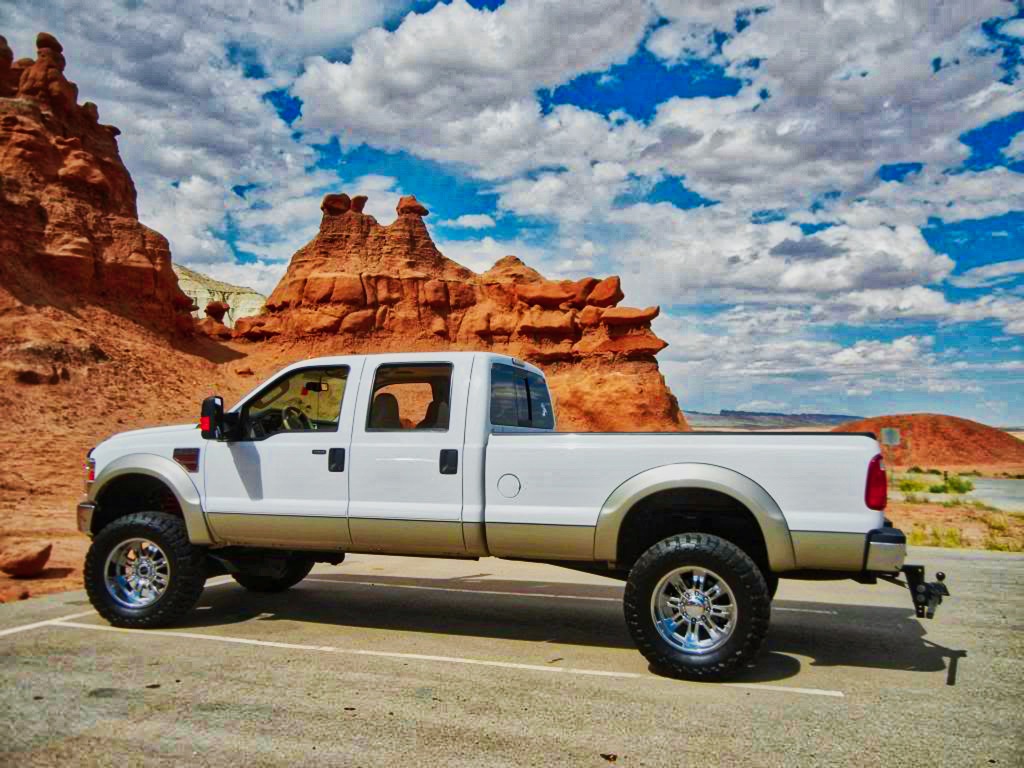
454, 455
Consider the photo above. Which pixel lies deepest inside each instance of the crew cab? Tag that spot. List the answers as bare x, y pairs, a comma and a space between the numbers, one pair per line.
455, 455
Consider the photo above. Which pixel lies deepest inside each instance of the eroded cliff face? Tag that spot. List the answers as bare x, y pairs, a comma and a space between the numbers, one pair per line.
69, 229
204, 290
359, 286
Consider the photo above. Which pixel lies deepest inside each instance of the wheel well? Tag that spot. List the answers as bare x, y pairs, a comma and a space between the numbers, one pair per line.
690, 510
129, 494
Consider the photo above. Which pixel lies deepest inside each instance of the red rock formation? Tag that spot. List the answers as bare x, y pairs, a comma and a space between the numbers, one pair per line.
69, 228
360, 286
25, 562
932, 440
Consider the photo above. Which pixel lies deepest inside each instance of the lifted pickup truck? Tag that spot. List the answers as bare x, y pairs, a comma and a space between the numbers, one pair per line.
454, 455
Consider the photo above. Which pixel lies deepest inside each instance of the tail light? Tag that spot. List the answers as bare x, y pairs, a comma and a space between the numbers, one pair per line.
876, 492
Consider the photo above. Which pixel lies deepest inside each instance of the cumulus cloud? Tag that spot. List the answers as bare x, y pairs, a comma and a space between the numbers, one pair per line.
989, 274
470, 221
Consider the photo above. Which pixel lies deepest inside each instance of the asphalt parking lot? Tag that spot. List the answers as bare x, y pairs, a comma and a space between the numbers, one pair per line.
387, 661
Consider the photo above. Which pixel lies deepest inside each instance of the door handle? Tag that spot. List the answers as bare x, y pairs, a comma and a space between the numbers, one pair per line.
336, 460
449, 463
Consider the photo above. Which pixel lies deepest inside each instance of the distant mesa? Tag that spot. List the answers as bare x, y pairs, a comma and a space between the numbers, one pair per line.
204, 292
930, 440
359, 286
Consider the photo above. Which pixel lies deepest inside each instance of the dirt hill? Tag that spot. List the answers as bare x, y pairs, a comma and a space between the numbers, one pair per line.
946, 442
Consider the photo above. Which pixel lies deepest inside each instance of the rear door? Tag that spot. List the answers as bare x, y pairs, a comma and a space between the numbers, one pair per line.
285, 482
407, 457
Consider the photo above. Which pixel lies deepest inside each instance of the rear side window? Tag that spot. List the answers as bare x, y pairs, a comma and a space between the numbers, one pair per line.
416, 396
519, 399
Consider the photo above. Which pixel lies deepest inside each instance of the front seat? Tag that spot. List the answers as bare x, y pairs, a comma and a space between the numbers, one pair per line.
384, 414
436, 416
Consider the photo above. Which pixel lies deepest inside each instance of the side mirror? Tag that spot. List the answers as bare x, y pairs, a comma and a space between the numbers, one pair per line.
211, 418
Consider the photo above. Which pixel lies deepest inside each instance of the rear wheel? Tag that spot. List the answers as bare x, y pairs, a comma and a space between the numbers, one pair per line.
295, 569
697, 607
141, 571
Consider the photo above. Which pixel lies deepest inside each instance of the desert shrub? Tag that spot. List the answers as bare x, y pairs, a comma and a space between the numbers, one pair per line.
959, 485
933, 471
909, 485
972, 473
950, 537
916, 470
935, 536
1002, 544
997, 522
937, 488
913, 498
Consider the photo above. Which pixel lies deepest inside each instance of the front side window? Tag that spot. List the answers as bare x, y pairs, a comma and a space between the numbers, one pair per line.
410, 397
520, 399
307, 400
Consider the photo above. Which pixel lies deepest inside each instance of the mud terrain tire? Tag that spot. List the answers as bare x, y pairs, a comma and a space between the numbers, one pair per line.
186, 577
728, 564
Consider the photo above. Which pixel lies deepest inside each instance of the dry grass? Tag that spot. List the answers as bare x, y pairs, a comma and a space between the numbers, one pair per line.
958, 523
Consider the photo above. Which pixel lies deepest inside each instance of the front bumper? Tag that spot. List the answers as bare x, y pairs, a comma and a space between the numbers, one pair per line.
886, 550
86, 509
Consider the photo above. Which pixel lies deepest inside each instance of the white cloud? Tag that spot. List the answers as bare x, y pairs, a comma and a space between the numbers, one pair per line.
458, 84
261, 276
470, 221
1013, 28
989, 274
1015, 149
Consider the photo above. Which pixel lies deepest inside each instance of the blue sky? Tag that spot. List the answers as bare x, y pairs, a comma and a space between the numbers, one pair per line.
827, 202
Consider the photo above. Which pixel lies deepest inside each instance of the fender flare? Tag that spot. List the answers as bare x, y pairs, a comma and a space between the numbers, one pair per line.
777, 538
171, 474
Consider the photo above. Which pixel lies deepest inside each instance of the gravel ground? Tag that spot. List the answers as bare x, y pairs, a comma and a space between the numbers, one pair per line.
386, 660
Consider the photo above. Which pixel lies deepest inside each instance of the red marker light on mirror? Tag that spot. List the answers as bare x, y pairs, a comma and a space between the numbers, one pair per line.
204, 423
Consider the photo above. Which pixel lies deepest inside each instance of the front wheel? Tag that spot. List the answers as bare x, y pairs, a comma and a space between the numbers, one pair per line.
142, 572
697, 607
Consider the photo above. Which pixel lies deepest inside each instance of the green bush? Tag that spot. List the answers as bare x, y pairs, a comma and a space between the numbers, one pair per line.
909, 485
916, 470
937, 489
959, 485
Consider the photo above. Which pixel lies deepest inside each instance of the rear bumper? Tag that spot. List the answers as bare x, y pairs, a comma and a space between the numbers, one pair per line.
86, 509
886, 550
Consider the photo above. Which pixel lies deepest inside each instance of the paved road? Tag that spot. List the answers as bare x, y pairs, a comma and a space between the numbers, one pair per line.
392, 661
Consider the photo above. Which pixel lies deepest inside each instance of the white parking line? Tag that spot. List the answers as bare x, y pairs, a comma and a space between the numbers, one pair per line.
421, 657
520, 594
469, 591
47, 623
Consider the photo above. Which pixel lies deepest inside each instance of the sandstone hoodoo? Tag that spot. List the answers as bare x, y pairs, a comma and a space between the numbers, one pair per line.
69, 228
931, 440
359, 286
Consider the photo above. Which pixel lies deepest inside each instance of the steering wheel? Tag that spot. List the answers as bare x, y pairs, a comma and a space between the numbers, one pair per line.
294, 419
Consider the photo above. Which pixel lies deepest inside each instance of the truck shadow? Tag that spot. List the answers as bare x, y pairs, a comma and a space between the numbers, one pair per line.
829, 634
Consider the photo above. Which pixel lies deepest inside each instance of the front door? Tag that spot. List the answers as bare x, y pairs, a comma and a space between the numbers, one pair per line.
284, 483
407, 444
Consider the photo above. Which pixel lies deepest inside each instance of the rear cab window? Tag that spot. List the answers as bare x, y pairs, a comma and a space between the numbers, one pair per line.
519, 398
410, 396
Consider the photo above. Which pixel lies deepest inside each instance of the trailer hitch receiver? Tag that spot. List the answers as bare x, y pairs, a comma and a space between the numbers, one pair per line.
927, 595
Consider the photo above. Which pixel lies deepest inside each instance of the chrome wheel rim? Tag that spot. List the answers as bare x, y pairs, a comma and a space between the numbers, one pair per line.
694, 610
137, 573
